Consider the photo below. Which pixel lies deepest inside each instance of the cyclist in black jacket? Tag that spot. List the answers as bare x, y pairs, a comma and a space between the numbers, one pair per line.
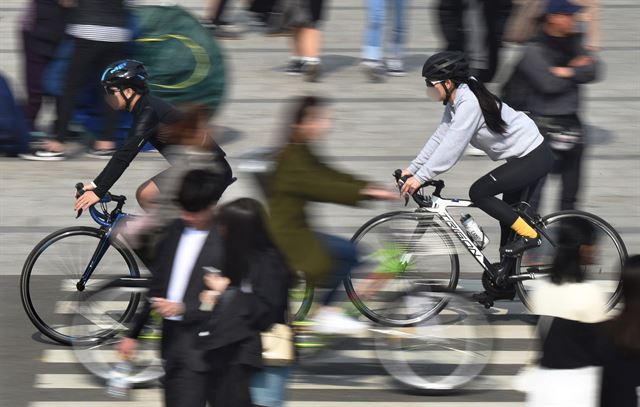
125, 84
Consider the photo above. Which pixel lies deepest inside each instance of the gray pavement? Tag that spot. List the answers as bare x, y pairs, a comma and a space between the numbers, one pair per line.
378, 127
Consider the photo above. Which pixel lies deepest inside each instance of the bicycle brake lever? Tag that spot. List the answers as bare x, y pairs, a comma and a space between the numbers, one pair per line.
79, 192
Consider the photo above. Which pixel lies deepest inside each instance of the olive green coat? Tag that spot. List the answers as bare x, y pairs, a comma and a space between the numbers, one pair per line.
300, 178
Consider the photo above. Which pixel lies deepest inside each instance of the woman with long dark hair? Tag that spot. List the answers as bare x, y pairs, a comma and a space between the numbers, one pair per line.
300, 178
475, 116
621, 372
259, 277
571, 313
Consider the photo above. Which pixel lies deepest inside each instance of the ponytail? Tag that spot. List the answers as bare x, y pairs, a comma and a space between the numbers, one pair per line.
490, 104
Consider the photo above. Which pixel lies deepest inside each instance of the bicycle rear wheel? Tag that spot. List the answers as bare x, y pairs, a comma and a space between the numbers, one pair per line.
97, 332
439, 354
399, 250
605, 268
48, 285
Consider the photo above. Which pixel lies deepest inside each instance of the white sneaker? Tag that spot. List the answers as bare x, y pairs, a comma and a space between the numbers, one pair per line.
331, 321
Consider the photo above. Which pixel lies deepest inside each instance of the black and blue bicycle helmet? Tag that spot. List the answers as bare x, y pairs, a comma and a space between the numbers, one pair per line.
127, 73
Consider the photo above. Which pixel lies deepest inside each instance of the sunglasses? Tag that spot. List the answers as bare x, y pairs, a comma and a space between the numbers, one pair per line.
110, 91
431, 84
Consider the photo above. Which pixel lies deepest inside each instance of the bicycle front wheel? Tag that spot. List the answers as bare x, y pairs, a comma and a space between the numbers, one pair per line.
97, 332
49, 282
604, 269
400, 250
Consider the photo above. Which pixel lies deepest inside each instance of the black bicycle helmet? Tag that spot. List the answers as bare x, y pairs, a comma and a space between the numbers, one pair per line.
444, 65
127, 73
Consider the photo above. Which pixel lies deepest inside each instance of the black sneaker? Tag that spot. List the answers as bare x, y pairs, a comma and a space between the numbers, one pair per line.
520, 245
294, 67
311, 70
487, 299
103, 153
44, 155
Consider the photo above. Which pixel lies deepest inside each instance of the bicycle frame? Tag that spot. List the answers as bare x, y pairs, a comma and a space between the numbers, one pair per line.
106, 222
439, 209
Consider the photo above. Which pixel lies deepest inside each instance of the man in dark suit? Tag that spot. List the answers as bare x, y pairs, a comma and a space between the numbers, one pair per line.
191, 243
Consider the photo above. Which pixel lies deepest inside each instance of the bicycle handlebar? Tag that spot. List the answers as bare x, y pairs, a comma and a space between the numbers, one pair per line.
437, 184
108, 197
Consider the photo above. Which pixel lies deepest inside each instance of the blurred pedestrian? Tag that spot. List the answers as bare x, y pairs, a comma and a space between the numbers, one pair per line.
589, 21
304, 18
14, 137
570, 310
266, 279
621, 372
190, 245
42, 31
300, 178
99, 32
526, 20
373, 61
459, 31
222, 28
547, 82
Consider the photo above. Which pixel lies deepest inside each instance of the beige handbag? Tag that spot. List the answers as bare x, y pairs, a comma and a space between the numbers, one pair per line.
278, 346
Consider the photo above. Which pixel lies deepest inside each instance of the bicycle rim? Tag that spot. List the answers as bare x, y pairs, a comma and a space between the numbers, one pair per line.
51, 271
605, 268
399, 251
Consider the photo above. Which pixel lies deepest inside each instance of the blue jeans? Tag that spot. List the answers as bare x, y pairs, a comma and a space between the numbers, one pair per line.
269, 386
377, 9
345, 258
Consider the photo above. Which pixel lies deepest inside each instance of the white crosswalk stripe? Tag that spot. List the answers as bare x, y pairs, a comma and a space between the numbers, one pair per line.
319, 378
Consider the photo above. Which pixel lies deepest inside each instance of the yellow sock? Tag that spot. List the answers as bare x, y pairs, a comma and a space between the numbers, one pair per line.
523, 229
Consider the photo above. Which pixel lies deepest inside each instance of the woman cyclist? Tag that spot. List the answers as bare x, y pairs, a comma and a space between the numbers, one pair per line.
475, 116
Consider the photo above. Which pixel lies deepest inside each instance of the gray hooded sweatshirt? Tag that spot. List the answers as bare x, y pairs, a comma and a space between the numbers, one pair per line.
463, 124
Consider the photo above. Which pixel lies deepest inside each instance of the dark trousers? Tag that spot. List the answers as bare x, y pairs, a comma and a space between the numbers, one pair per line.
511, 180
217, 16
568, 165
185, 380
494, 14
35, 65
345, 258
262, 6
88, 61
228, 382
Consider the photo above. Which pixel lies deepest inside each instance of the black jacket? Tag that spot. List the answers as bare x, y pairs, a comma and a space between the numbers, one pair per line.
149, 114
44, 27
241, 314
107, 13
532, 87
211, 255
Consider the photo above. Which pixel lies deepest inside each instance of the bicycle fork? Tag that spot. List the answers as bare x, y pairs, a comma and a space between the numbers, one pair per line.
98, 254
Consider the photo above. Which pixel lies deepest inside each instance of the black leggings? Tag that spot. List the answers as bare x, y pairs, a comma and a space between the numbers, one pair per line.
510, 180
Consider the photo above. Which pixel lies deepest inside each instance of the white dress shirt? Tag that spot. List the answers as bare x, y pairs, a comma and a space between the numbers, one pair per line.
189, 248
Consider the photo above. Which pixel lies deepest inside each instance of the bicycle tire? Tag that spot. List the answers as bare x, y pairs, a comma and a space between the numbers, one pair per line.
27, 270
439, 355
599, 224
96, 353
454, 272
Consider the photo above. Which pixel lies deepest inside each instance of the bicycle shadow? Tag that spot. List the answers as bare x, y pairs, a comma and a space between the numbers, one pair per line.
40, 338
